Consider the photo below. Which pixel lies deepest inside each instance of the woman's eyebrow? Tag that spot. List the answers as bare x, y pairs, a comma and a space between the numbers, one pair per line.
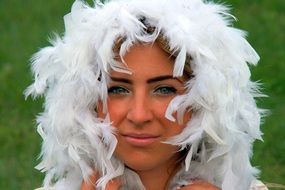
161, 78
151, 80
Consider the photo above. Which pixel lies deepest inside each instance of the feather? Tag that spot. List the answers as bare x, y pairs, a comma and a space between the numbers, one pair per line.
73, 154
173, 106
209, 130
179, 63
188, 158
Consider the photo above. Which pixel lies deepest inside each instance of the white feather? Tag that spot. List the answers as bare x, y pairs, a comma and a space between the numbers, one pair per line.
180, 62
188, 159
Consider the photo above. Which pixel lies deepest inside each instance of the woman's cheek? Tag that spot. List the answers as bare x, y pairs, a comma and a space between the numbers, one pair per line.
117, 109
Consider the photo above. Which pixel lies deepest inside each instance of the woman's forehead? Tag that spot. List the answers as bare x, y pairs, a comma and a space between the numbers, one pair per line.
146, 62
148, 57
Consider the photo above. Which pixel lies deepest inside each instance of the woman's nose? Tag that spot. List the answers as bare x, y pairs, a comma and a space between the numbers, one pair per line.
140, 111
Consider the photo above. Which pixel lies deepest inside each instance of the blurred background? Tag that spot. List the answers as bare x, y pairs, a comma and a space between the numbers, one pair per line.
25, 27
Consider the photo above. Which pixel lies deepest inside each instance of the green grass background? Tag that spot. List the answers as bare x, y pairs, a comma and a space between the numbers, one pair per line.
25, 27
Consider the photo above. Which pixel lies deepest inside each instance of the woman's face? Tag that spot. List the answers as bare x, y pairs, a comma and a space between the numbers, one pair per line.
137, 103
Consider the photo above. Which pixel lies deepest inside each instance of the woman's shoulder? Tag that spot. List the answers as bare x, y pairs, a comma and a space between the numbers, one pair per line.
203, 185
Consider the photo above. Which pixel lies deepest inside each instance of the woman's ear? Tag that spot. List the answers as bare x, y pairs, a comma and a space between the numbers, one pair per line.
99, 110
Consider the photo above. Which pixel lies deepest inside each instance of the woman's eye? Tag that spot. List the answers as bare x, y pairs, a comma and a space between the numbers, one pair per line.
165, 90
117, 90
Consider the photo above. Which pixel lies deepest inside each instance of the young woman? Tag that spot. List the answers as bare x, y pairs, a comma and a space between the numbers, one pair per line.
137, 103
150, 96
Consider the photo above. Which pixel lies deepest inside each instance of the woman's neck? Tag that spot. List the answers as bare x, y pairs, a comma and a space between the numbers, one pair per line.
158, 178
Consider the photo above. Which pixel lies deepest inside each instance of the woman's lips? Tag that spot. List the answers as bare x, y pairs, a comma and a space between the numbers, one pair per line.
140, 139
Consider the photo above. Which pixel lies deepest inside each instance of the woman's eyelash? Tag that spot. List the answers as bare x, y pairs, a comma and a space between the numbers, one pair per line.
165, 90
117, 90
161, 90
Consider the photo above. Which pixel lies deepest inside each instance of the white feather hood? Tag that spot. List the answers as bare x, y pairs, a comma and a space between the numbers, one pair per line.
72, 75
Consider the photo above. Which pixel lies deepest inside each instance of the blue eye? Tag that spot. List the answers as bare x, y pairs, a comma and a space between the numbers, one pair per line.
165, 90
117, 90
